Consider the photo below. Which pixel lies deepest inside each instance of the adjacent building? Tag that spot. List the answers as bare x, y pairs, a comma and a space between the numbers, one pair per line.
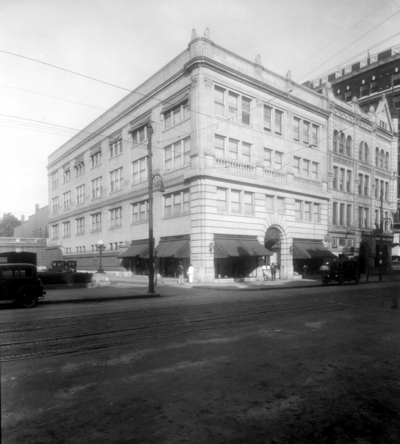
249, 168
367, 79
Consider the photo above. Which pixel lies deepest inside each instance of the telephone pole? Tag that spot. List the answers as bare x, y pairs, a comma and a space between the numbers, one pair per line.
151, 239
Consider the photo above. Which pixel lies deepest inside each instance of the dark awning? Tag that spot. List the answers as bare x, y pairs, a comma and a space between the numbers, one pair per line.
173, 248
141, 250
138, 123
172, 103
310, 250
239, 247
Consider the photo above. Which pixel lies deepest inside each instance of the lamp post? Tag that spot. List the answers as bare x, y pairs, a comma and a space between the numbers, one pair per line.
101, 247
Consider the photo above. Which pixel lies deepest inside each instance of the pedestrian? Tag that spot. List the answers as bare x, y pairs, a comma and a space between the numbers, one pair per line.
368, 269
273, 272
278, 270
304, 271
180, 274
155, 274
190, 273
264, 272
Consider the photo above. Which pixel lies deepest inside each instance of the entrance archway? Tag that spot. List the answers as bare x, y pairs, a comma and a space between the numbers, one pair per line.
272, 242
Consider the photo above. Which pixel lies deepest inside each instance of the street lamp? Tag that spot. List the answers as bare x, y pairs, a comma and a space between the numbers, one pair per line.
101, 247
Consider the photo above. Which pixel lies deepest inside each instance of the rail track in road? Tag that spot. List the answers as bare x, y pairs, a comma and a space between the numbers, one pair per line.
99, 331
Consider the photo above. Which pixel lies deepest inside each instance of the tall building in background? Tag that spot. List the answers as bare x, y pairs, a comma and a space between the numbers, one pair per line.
367, 80
255, 168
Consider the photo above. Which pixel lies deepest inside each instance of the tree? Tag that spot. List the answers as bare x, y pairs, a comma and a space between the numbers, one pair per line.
7, 224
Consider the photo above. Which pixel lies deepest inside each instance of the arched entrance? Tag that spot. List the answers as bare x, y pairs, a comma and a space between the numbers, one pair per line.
273, 238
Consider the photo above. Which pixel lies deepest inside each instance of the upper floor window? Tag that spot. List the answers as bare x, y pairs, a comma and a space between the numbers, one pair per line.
95, 159
54, 180
79, 168
54, 231
140, 211
387, 161
335, 141
96, 222
66, 229
67, 200
382, 159
177, 155
115, 148
270, 203
305, 132
377, 156
363, 152
96, 188
80, 225
176, 114
348, 146
234, 201
139, 135
341, 143
177, 203
116, 180
115, 217
236, 107
232, 149
139, 170
273, 120
66, 175
80, 194
222, 199
55, 205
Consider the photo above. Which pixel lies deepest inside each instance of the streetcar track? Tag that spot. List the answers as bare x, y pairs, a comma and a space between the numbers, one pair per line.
86, 347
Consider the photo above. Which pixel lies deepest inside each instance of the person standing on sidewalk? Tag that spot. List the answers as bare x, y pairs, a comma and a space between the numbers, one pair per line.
264, 272
273, 272
190, 273
180, 274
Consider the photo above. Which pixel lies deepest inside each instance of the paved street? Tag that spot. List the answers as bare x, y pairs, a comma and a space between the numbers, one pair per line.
308, 365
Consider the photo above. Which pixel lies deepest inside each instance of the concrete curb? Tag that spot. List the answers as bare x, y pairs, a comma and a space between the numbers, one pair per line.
100, 299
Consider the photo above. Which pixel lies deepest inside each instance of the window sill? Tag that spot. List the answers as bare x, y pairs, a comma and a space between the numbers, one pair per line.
141, 222
66, 236
114, 227
116, 191
113, 157
172, 216
96, 231
95, 198
176, 124
80, 234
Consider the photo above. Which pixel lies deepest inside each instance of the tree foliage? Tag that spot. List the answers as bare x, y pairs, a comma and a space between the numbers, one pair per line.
7, 224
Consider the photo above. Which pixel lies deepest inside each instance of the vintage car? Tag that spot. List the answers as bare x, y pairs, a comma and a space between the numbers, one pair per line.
63, 267
340, 271
19, 283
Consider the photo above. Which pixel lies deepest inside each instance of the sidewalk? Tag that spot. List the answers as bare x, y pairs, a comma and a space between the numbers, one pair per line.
136, 287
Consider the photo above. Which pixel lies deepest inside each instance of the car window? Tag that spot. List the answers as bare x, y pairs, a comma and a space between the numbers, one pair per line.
8, 273
25, 272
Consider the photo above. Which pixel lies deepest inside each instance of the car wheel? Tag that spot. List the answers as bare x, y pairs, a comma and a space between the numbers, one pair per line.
357, 280
341, 280
27, 298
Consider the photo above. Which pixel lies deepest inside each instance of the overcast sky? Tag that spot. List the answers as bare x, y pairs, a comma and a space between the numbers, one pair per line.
124, 42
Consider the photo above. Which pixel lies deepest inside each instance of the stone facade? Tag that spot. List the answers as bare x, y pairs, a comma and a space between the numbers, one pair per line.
244, 154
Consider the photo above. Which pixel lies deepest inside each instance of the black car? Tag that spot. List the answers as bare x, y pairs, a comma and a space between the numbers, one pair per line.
19, 283
340, 272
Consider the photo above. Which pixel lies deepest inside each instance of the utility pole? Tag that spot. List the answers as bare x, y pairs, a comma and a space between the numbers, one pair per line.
381, 249
151, 240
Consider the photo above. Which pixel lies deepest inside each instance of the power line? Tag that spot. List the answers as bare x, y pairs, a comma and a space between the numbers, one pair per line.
63, 69
341, 35
359, 38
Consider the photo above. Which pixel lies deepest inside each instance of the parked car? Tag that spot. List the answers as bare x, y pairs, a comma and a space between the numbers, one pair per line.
63, 267
19, 283
340, 272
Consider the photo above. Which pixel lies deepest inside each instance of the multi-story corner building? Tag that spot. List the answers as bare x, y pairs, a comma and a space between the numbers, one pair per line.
247, 163
367, 79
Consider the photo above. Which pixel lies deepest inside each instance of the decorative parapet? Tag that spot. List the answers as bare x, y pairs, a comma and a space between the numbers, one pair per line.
233, 166
275, 176
307, 182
